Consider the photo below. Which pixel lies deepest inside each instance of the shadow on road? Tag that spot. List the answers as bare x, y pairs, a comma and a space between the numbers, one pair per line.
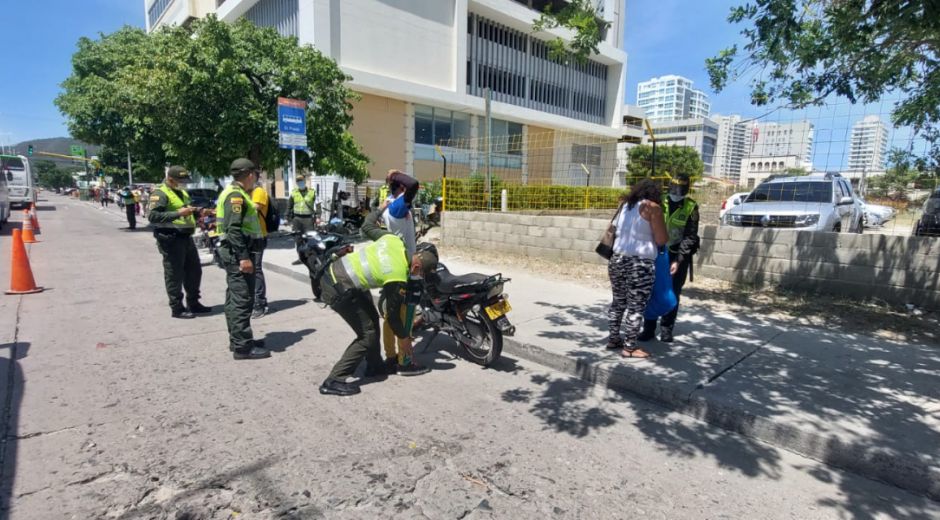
11, 396
282, 340
283, 305
818, 380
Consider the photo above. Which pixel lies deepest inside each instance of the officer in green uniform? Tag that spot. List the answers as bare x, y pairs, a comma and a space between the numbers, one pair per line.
301, 209
171, 217
346, 281
681, 214
130, 206
239, 227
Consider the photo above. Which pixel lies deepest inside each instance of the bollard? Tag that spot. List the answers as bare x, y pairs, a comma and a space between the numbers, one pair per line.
504, 201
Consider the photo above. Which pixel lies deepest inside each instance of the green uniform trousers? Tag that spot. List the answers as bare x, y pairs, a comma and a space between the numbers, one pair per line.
358, 310
302, 223
181, 268
239, 302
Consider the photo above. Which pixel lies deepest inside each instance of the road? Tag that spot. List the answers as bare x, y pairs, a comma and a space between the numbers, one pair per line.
119, 411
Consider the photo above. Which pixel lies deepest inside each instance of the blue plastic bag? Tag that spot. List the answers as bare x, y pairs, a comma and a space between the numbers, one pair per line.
662, 299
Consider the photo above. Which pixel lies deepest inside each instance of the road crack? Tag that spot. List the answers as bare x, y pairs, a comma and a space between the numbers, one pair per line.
39, 434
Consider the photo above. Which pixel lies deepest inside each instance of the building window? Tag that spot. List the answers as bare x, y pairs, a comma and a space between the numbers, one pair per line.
156, 10
439, 126
586, 155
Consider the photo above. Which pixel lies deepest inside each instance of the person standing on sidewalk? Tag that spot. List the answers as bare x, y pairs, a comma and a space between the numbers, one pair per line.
171, 215
130, 206
239, 228
301, 209
346, 282
259, 197
640, 231
682, 224
105, 197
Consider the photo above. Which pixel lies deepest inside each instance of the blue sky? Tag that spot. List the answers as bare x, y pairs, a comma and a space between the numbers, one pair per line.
661, 37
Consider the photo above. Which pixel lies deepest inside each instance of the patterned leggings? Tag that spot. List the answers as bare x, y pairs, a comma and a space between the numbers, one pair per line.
631, 279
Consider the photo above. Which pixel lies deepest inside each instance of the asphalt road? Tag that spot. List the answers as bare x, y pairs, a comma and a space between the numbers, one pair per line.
119, 411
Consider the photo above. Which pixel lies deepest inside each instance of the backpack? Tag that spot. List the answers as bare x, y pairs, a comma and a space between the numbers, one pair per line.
272, 220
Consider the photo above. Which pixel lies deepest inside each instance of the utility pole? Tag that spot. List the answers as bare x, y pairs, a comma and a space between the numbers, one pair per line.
130, 170
649, 128
487, 128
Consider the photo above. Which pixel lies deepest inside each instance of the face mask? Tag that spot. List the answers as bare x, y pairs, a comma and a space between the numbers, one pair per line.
301, 184
676, 197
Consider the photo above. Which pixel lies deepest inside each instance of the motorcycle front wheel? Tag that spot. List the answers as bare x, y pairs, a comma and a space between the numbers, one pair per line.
485, 343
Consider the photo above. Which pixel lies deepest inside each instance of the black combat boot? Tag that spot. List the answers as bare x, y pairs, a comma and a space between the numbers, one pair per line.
665, 334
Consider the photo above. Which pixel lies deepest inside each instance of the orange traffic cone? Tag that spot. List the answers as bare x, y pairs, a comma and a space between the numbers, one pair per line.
21, 276
28, 236
34, 216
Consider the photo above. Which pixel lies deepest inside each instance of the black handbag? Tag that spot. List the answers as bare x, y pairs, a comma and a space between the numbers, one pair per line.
605, 247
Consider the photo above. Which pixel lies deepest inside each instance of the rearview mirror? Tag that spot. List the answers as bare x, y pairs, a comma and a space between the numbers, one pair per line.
846, 200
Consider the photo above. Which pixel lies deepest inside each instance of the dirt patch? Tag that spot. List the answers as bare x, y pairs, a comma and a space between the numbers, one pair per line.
871, 318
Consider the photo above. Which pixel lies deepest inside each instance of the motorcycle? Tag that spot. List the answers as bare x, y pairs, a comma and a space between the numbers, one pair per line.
471, 308
313, 248
207, 239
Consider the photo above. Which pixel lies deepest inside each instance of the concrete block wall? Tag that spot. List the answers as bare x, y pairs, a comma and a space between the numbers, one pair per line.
898, 270
895, 269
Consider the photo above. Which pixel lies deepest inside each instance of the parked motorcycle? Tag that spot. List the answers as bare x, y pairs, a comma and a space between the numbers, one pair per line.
206, 238
313, 247
471, 308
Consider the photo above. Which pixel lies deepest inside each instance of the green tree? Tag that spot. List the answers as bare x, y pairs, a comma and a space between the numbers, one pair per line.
796, 171
899, 175
581, 17
670, 160
204, 94
51, 175
799, 52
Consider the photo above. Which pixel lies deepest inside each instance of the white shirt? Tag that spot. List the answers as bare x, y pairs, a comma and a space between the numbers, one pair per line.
403, 227
634, 234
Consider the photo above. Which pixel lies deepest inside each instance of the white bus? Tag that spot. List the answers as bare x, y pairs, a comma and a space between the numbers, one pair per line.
4, 201
19, 178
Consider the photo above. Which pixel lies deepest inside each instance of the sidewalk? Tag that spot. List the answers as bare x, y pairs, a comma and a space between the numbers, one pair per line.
866, 405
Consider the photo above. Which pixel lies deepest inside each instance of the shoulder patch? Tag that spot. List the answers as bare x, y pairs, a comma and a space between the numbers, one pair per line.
236, 208
154, 198
236, 200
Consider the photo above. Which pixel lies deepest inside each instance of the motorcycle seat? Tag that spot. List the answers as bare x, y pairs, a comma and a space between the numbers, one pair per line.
450, 283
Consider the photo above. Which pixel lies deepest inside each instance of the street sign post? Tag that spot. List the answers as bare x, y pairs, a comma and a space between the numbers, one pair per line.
292, 131
76, 150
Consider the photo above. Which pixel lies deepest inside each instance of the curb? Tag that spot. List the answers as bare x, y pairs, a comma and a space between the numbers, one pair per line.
911, 473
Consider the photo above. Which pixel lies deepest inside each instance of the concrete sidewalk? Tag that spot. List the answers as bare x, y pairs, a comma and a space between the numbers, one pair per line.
866, 405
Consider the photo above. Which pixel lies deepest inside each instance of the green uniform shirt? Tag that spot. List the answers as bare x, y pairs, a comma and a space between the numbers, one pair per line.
238, 222
165, 204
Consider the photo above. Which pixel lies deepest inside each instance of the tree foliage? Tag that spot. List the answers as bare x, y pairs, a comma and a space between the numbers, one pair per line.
52, 175
670, 160
207, 93
581, 17
900, 174
799, 52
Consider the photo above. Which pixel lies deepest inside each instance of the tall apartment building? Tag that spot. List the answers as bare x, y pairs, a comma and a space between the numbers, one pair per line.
734, 141
868, 146
422, 66
670, 98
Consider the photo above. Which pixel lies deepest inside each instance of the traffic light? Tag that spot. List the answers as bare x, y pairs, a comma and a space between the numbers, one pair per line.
29, 150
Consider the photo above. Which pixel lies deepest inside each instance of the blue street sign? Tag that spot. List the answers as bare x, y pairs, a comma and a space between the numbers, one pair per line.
292, 123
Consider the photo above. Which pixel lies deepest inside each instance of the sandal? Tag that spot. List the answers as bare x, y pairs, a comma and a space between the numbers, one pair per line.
634, 353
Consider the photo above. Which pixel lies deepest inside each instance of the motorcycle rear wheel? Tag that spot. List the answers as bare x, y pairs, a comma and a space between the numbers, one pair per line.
488, 339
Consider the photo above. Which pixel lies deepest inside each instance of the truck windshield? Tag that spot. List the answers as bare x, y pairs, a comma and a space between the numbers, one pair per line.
802, 191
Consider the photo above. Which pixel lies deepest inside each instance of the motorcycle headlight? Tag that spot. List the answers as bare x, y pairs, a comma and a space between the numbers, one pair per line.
810, 219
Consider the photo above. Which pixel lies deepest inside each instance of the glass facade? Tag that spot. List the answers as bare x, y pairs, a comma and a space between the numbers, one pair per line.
156, 10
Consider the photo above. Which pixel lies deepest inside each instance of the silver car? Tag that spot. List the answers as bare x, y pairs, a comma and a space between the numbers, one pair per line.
818, 202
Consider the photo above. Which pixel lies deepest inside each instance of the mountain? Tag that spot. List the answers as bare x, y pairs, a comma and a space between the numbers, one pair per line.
58, 145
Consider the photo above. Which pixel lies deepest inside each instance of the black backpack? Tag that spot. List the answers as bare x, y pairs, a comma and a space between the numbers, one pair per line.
272, 220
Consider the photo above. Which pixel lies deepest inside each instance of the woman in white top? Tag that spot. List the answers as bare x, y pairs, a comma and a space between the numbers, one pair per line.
641, 230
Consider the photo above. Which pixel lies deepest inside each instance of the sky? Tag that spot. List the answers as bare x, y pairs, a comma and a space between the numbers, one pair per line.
661, 37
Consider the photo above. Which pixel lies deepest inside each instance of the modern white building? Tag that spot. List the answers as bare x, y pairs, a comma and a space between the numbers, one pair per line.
734, 141
869, 145
631, 135
699, 133
671, 98
773, 148
422, 66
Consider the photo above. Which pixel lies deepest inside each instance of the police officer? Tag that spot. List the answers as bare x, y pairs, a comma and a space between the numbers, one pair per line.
301, 208
130, 206
681, 214
346, 282
239, 227
171, 216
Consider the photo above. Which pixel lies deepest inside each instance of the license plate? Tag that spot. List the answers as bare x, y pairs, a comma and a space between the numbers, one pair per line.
498, 309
